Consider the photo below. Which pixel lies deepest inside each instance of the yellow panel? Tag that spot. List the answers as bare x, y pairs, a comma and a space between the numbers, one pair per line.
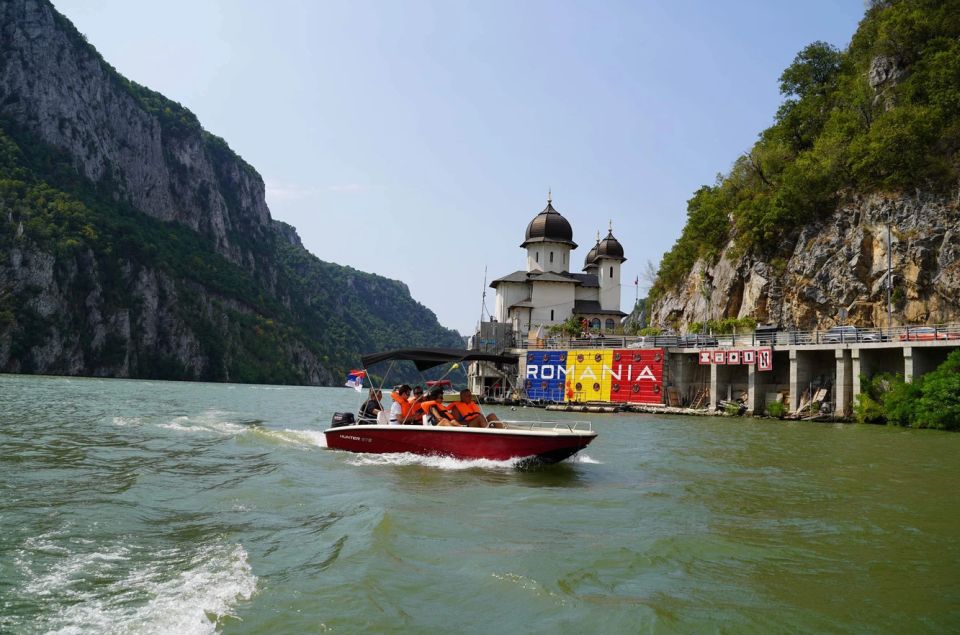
593, 369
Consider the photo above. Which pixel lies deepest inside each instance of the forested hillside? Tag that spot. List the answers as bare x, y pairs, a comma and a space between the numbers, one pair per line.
865, 136
134, 243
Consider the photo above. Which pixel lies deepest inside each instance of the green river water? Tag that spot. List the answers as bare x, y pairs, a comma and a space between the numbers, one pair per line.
157, 507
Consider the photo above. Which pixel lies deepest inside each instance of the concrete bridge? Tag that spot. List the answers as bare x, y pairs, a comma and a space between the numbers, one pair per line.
797, 368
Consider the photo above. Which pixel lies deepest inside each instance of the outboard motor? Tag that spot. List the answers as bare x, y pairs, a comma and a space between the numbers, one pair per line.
341, 419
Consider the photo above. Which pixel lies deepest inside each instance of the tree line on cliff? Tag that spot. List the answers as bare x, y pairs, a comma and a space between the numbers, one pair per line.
881, 116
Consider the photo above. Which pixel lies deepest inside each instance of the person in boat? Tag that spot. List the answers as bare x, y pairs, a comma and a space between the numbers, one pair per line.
415, 415
467, 412
400, 409
372, 406
435, 411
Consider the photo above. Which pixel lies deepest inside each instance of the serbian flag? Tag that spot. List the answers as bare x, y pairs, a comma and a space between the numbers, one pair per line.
355, 379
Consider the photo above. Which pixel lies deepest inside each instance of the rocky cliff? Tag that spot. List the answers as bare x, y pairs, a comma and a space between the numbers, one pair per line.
134, 243
839, 262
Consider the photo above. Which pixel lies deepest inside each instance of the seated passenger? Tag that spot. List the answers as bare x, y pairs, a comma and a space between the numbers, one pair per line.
372, 406
401, 406
468, 412
415, 415
435, 412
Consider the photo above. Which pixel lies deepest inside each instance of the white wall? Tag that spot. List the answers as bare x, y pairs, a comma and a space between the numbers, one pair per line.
509, 293
609, 285
561, 257
555, 296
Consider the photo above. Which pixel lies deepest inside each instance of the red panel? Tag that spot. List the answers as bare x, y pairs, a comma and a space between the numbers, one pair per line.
637, 376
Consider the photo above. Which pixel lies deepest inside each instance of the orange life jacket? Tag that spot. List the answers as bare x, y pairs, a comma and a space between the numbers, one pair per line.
416, 410
465, 411
404, 404
426, 406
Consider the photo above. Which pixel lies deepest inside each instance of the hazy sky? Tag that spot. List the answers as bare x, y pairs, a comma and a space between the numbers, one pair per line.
417, 139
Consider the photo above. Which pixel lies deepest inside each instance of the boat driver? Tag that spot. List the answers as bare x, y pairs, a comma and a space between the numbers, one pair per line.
467, 412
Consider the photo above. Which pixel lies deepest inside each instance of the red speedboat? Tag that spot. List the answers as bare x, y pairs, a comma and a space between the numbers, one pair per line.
543, 442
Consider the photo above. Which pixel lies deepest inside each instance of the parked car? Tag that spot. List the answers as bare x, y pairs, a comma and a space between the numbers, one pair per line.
666, 340
842, 334
644, 341
696, 340
926, 333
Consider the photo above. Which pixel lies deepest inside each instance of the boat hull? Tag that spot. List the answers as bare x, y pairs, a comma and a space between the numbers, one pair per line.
544, 446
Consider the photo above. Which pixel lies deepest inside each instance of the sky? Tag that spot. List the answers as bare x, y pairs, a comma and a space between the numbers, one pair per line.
417, 139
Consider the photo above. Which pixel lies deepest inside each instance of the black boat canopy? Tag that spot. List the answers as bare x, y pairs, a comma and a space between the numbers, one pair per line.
425, 358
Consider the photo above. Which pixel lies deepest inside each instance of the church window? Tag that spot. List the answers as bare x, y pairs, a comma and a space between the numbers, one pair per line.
551, 257
611, 273
536, 256
551, 315
595, 323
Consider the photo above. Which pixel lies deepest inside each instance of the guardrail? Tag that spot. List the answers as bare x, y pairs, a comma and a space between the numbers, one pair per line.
835, 335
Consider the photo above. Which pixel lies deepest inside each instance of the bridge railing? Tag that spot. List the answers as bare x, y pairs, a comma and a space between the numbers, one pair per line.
835, 335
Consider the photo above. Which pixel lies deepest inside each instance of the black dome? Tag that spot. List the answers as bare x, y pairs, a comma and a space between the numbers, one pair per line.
610, 247
549, 226
591, 256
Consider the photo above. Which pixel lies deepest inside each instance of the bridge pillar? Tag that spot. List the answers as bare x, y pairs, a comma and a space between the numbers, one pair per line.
857, 372
843, 390
907, 363
753, 394
714, 386
794, 381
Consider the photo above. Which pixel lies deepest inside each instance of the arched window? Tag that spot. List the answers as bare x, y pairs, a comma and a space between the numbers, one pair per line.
609, 325
611, 272
551, 257
595, 323
536, 256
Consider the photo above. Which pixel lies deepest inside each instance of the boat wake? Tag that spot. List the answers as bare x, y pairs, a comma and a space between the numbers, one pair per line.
109, 591
214, 421
437, 462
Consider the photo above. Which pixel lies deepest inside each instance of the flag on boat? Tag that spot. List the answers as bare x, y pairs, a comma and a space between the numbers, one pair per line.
355, 379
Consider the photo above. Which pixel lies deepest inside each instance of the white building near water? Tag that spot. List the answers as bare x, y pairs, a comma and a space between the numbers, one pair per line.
546, 293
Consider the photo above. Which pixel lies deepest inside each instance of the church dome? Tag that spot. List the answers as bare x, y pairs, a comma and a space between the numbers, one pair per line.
549, 226
591, 256
610, 247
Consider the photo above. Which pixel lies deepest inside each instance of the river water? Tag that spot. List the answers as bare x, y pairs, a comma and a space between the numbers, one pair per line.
161, 507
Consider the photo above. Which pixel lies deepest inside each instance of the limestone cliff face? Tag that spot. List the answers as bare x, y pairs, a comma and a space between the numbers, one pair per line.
158, 328
838, 263
58, 87
135, 244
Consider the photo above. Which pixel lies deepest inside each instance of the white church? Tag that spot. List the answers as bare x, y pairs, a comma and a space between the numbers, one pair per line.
546, 293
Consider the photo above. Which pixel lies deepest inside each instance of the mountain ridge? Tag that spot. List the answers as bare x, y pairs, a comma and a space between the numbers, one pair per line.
134, 243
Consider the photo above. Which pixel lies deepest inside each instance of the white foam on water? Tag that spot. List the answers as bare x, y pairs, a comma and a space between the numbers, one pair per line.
126, 422
582, 458
438, 462
307, 437
210, 421
192, 601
